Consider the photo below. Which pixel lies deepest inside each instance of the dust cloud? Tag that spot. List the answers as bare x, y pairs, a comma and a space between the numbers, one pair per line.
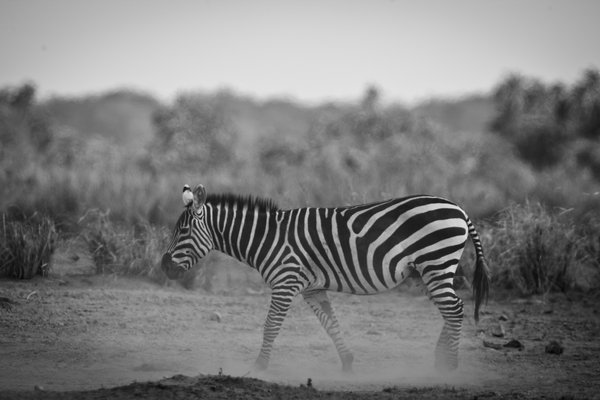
388, 364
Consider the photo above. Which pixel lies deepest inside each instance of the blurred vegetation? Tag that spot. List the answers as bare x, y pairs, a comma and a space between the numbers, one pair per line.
125, 155
551, 125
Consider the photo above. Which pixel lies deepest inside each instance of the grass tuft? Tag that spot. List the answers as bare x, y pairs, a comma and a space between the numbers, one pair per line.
121, 249
534, 250
26, 245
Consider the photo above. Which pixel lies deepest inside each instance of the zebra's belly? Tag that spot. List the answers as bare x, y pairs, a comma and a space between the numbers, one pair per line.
378, 279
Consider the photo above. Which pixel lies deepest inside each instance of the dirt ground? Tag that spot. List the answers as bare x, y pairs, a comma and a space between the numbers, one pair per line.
105, 337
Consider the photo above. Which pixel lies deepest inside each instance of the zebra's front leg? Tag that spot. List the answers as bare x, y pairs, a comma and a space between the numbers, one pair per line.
321, 306
281, 300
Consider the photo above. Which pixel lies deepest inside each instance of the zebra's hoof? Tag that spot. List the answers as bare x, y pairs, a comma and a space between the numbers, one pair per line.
260, 364
347, 363
446, 364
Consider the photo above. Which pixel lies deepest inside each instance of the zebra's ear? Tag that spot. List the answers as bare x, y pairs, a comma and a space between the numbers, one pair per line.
199, 196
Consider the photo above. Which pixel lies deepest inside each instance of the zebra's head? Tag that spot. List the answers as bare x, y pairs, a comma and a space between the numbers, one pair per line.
191, 239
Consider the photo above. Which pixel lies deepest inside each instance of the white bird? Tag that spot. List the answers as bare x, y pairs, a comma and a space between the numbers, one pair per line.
187, 196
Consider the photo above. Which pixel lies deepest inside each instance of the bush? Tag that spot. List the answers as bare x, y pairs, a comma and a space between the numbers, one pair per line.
133, 250
535, 251
26, 245
588, 228
544, 121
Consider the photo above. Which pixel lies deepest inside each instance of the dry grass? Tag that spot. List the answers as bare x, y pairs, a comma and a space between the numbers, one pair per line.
117, 248
26, 245
537, 251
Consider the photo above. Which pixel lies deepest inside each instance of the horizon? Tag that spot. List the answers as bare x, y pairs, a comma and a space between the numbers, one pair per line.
308, 52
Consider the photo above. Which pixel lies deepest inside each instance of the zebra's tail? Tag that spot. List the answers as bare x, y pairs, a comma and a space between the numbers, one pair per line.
481, 276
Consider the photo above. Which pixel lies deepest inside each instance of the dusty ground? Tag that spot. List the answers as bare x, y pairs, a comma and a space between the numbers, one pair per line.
86, 333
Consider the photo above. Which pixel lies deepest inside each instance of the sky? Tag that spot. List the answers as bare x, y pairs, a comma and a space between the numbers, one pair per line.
307, 50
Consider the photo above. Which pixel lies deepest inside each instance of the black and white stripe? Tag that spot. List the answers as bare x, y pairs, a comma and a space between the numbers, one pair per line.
363, 249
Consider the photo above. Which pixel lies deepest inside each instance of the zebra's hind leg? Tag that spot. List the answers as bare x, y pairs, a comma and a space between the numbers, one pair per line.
439, 282
321, 306
446, 350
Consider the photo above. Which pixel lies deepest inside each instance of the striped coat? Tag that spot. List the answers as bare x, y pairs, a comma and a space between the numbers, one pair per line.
362, 249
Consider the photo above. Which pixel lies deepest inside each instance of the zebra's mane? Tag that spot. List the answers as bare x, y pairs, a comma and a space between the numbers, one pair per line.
238, 201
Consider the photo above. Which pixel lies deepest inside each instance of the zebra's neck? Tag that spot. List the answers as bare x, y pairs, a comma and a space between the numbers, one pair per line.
246, 232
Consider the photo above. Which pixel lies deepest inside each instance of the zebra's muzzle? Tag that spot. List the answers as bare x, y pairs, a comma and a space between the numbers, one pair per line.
171, 268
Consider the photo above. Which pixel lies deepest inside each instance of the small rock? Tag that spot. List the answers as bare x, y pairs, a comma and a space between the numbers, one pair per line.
215, 316
38, 388
492, 345
499, 331
503, 317
548, 311
6, 303
514, 344
554, 347
373, 332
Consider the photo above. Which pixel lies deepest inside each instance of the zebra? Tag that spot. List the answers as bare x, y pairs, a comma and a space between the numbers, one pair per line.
361, 249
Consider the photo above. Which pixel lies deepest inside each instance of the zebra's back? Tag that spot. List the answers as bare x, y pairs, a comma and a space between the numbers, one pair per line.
369, 248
